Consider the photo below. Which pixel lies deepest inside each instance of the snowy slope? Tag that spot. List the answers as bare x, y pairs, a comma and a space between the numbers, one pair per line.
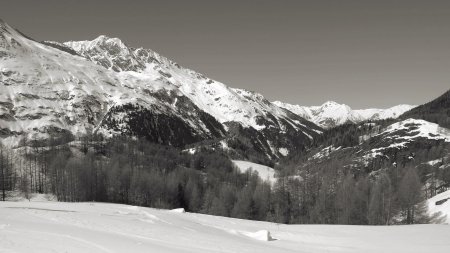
332, 114
44, 88
404, 134
264, 172
389, 113
440, 203
224, 103
97, 227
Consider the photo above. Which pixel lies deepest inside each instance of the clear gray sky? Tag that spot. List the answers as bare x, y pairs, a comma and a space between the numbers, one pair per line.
361, 53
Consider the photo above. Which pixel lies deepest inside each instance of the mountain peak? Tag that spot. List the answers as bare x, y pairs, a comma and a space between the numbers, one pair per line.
103, 39
330, 103
9, 37
3, 26
111, 53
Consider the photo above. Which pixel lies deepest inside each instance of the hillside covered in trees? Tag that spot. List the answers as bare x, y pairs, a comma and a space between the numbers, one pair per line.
437, 111
137, 172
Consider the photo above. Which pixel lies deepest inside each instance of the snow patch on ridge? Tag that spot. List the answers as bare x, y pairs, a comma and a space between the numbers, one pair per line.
400, 134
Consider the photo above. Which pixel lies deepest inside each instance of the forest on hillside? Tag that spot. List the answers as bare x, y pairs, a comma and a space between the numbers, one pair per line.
137, 172
436, 111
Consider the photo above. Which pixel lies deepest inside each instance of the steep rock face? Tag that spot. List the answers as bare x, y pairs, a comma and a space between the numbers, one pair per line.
105, 86
332, 114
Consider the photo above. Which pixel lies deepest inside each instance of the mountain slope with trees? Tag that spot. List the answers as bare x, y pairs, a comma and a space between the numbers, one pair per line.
376, 172
436, 111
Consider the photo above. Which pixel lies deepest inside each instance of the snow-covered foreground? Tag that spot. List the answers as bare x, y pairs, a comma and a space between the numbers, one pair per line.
99, 227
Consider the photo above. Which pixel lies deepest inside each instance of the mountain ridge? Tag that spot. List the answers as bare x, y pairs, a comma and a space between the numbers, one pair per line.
436, 111
331, 114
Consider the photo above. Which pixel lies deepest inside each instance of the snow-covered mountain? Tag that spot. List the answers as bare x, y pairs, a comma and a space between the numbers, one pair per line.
49, 91
332, 114
106, 86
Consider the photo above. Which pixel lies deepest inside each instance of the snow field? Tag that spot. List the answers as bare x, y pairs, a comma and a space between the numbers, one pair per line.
100, 227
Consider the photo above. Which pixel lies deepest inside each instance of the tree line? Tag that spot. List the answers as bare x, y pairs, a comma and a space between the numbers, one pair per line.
389, 189
138, 172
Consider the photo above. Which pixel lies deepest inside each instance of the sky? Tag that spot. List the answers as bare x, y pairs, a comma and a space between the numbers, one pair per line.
362, 53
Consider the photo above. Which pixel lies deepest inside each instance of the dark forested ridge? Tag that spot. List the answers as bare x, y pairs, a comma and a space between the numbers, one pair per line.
437, 111
158, 127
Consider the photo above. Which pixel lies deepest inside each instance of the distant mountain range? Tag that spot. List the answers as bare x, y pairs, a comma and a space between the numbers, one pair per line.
332, 114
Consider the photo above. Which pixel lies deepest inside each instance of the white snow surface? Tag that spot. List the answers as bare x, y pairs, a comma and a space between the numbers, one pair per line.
418, 128
264, 172
443, 208
332, 114
283, 151
325, 152
101, 227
